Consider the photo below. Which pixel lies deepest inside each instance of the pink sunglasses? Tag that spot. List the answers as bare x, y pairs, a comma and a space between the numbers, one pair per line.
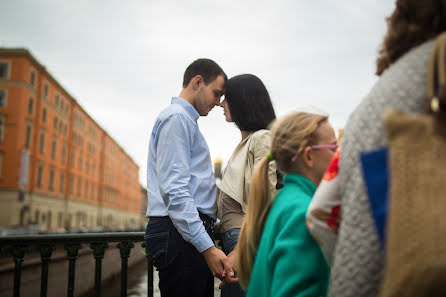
332, 147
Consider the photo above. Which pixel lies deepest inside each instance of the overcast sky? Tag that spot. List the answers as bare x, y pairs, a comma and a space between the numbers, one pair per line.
124, 60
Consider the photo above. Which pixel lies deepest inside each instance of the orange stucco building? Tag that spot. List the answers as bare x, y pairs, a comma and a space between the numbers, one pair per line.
58, 167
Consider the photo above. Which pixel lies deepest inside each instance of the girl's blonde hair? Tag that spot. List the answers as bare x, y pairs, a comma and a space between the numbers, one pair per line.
290, 136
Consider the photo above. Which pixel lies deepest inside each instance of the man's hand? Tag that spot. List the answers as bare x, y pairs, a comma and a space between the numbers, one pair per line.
218, 263
232, 262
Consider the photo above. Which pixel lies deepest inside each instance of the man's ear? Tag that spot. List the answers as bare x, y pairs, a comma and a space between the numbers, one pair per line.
307, 157
197, 80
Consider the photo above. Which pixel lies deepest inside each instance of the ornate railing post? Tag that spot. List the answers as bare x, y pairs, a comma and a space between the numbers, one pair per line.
72, 252
45, 256
18, 252
98, 252
124, 248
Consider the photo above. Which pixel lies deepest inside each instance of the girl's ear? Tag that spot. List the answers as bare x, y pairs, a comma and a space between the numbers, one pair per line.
307, 157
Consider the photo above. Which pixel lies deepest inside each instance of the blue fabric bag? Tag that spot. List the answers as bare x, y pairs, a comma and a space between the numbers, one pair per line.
376, 177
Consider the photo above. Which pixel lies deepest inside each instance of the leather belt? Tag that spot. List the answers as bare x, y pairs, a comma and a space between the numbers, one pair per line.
159, 219
207, 220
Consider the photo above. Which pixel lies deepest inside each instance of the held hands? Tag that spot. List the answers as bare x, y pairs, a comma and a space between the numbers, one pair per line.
218, 263
232, 262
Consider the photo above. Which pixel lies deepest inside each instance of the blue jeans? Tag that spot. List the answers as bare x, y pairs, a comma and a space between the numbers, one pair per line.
230, 239
182, 270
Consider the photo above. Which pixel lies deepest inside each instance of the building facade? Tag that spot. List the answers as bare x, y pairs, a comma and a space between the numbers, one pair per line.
58, 167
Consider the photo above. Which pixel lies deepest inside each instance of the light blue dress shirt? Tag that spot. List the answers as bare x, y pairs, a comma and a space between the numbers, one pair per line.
180, 181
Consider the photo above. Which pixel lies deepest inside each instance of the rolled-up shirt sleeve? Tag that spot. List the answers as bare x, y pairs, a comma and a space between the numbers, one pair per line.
173, 161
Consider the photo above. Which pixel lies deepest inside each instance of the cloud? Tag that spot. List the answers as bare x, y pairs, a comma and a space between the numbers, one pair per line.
124, 60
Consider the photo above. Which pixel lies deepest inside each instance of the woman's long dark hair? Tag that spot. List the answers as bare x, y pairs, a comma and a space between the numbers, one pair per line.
249, 102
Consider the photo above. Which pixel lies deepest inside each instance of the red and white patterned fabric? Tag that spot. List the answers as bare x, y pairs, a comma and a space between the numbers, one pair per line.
323, 214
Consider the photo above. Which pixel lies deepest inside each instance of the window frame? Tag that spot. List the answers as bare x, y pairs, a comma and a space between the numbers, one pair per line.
32, 78
28, 135
30, 106
8, 70
4, 91
54, 148
44, 115
2, 127
39, 175
42, 137
51, 179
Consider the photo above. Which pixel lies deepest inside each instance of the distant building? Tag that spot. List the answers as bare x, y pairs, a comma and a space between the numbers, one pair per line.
58, 167
340, 135
217, 171
144, 203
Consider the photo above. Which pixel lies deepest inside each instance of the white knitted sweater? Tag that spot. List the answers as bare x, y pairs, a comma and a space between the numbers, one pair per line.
358, 258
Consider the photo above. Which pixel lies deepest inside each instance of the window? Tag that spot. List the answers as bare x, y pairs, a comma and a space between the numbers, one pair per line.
2, 128
4, 70
51, 182
53, 148
57, 100
73, 157
71, 185
30, 106
39, 175
86, 189
55, 123
42, 142
79, 165
36, 216
62, 181
45, 91
1, 162
79, 185
32, 78
92, 191
59, 220
49, 219
28, 135
44, 115
64, 152
2, 98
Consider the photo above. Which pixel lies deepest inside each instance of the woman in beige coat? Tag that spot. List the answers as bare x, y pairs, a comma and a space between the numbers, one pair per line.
248, 105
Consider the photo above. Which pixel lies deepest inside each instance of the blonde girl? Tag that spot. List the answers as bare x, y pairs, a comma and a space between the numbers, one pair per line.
276, 254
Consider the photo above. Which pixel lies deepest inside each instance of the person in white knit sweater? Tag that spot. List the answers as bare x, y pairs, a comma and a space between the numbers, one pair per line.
402, 66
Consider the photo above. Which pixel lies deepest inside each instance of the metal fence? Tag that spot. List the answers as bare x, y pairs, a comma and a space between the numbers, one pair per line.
18, 246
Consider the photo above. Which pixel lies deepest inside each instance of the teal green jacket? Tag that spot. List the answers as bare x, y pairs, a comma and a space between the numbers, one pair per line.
288, 261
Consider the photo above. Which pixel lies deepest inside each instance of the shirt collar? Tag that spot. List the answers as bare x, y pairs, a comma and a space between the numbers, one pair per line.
187, 106
307, 186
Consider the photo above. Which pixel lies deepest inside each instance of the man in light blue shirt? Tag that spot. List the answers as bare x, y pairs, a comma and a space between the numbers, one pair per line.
181, 189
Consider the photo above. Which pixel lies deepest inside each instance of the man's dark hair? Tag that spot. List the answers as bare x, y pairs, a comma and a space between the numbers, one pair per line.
207, 68
249, 102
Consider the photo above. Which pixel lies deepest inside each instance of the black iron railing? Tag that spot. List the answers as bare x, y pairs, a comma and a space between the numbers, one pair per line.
72, 243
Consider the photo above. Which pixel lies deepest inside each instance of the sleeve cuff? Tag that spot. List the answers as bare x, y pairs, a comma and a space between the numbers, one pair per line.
202, 242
